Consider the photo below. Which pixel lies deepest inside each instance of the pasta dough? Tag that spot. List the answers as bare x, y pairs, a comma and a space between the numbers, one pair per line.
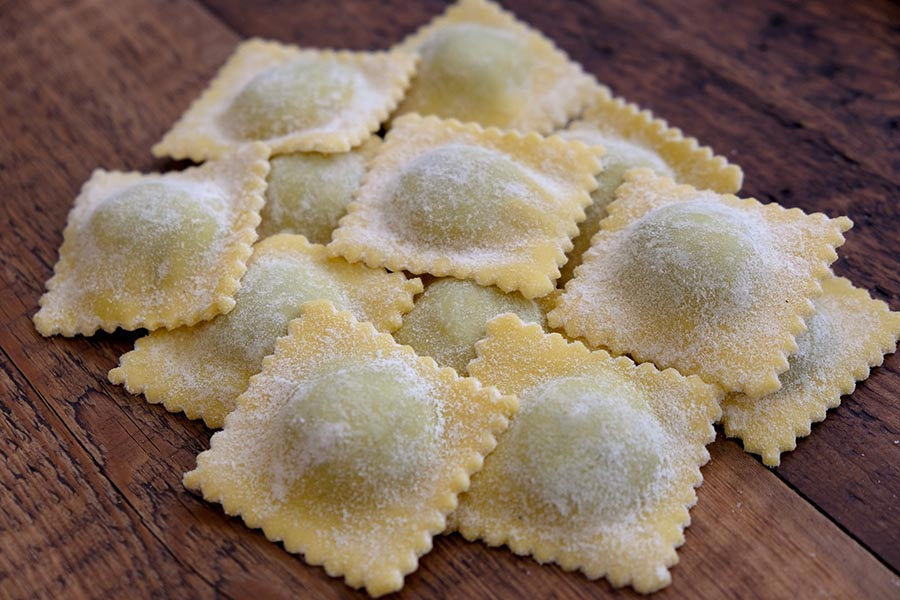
350, 449
480, 64
598, 469
451, 316
633, 138
292, 99
709, 284
846, 335
155, 250
201, 370
309, 192
457, 200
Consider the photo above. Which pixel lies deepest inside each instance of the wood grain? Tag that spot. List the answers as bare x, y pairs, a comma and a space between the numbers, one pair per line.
92, 503
65, 529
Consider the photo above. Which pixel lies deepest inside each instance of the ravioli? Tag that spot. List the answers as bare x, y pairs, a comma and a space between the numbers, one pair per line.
350, 449
633, 138
709, 284
201, 370
848, 333
294, 100
598, 468
454, 199
451, 315
155, 250
478, 63
308, 192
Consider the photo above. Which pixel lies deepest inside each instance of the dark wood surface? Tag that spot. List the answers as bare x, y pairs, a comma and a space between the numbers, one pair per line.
805, 96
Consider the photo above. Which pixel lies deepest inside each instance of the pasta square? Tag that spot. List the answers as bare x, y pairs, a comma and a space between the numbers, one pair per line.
201, 370
634, 138
848, 333
478, 63
350, 449
292, 99
598, 468
457, 200
709, 284
155, 250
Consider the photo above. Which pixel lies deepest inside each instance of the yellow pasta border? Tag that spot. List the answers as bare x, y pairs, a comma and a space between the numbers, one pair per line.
515, 357
558, 89
449, 335
690, 162
643, 192
473, 416
241, 174
207, 384
533, 276
198, 136
771, 425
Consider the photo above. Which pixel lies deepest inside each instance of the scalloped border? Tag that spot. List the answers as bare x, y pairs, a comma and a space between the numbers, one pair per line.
157, 392
554, 111
438, 321
428, 522
680, 501
392, 253
881, 341
692, 162
250, 162
198, 136
618, 219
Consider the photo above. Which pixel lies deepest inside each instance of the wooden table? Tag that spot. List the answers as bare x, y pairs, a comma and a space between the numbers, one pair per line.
804, 95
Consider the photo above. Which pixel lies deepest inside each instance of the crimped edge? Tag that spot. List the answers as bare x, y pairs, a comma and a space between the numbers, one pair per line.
529, 287
397, 307
253, 159
857, 369
429, 522
197, 136
152, 393
672, 533
557, 111
820, 268
394, 309
692, 162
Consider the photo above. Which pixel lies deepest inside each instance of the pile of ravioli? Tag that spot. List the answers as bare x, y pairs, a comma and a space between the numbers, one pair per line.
516, 316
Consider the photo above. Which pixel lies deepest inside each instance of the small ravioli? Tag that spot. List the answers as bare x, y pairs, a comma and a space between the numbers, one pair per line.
454, 199
451, 316
292, 99
633, 138
848, 333
350, 449
201, 370
153, 250
308, 192
478, 63
598, 468
709, 284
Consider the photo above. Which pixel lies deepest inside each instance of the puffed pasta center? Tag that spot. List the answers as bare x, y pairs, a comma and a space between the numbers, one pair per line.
361, 428
290, 97
695, 260
590, 445
465, 197
473, 68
